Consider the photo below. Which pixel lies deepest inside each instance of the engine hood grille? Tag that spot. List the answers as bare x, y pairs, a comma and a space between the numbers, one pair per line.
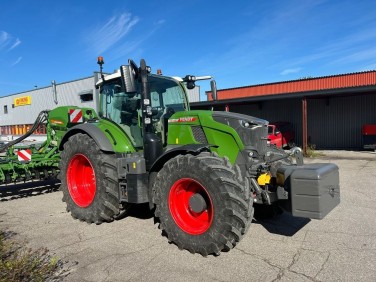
252, 131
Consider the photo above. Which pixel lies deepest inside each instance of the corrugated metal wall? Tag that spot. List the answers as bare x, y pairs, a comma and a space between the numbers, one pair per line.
194, 94
42, 99
333, 123
336, 123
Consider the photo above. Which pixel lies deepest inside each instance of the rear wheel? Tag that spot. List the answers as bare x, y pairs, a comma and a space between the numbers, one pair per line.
202, 203
89, 180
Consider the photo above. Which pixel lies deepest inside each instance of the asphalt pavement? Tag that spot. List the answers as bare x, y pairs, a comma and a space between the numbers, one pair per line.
341, 247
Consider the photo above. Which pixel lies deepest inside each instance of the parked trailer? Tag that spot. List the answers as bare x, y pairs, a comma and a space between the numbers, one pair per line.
35, 162
20, 163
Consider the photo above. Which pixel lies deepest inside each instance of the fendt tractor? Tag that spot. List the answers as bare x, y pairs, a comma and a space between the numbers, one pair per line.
200, 171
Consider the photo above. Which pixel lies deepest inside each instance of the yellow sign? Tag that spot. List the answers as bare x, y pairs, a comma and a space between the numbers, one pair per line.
22, 101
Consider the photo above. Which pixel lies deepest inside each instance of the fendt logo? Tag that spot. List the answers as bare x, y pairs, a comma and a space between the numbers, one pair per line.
182, 119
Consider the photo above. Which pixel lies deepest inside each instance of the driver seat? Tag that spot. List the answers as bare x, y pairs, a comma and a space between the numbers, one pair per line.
136, 125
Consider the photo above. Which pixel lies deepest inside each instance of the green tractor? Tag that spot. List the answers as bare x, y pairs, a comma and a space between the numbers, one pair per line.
200, 171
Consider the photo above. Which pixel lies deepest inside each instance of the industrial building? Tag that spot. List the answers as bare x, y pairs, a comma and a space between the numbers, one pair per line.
19, 111
326, 112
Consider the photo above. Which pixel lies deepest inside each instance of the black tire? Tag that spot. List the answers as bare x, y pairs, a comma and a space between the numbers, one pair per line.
89, 181
228, 213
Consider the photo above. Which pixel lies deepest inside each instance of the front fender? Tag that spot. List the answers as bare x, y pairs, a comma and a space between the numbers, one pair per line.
194, 149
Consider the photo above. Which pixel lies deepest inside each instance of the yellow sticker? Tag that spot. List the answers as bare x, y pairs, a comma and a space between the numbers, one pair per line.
134, 165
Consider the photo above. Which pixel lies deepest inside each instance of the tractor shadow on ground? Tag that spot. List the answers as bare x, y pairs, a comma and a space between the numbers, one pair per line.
28, 189
279, 222
140, 211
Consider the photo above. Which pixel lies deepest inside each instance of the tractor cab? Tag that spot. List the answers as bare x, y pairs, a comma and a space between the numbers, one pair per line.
123, 101
125, 108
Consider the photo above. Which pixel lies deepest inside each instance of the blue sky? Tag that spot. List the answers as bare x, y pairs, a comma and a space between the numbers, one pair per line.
238, 42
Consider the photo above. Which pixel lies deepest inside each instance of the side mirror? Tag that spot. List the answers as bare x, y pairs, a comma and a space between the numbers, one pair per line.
213, 86
128, 76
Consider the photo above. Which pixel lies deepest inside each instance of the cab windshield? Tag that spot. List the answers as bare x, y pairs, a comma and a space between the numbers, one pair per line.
124, 108
166, 92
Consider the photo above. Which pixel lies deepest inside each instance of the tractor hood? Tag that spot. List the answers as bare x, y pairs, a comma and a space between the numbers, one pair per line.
236, 116
252, 131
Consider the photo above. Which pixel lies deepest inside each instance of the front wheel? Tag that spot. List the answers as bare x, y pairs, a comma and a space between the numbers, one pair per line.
202, 202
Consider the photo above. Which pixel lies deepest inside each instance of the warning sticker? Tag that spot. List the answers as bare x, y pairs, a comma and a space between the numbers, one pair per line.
24, 155
75, 115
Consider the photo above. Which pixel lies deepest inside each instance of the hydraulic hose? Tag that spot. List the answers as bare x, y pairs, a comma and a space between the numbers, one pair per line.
42, 117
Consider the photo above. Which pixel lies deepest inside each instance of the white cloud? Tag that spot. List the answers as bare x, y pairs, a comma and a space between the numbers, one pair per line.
133, 46
115, 36
7, 41
3, 36
4, 39
160, 22
15, 44
113, 31
17, 61
290, 71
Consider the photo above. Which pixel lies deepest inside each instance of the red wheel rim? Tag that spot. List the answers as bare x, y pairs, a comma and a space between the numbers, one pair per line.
81, 180
188, 220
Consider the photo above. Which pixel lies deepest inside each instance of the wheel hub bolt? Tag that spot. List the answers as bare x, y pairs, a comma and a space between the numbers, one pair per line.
197, 203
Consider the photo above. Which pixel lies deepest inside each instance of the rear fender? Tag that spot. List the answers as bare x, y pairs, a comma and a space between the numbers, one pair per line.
93, 131
104, 137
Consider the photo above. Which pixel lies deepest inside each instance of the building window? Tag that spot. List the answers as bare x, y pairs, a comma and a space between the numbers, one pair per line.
86, 95
5, 109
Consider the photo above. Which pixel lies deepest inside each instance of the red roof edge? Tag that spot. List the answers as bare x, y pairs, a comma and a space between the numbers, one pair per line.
301, 85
